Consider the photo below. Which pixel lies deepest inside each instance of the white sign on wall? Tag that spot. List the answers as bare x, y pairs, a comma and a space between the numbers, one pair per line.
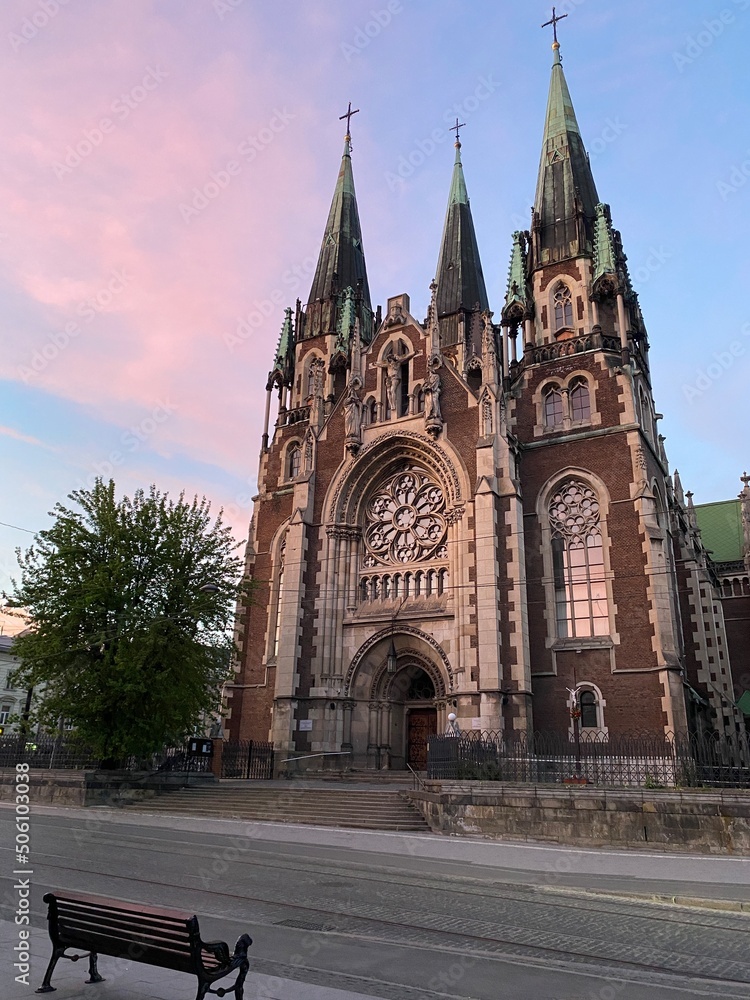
476, 723
305, 725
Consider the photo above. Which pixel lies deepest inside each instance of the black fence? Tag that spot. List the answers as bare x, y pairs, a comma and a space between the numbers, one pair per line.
67, 753
45, 752
247, 759
644, 761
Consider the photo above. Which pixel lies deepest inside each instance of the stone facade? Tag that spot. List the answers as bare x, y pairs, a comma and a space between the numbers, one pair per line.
465, 516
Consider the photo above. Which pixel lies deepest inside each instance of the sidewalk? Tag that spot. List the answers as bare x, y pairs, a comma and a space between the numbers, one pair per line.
132, 981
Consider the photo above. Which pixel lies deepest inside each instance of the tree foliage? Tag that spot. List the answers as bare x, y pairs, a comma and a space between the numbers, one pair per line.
130, 602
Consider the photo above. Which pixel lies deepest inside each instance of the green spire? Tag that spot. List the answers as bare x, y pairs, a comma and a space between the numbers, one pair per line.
460, 281
566, 197
605, 259
458, 193
517, 275
347, 319
283, 366
341, 262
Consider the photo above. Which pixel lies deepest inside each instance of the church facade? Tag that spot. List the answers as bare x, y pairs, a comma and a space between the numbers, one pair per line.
471, 516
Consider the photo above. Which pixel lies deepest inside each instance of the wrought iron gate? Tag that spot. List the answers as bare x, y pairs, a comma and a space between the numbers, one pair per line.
247, 759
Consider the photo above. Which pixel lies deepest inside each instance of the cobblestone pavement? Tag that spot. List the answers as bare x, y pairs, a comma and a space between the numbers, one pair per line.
396, 925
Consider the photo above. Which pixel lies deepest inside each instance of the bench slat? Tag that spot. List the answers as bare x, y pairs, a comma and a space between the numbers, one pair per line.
90, 920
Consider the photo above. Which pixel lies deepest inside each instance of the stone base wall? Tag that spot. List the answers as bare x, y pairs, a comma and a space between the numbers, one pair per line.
96, 788
711, 822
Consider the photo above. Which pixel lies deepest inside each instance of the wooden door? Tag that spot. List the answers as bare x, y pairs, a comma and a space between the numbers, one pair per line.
422, 725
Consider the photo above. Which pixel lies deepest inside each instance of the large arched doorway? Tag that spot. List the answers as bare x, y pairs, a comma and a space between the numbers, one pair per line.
394, 703
412, 699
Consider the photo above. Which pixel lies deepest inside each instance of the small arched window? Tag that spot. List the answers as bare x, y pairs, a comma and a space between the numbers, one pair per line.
553, 407
589, 710
580, 401
563, 301
420, 400
294, 461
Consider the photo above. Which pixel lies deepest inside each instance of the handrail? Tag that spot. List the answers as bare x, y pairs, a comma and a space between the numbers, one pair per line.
418, 780
326, 753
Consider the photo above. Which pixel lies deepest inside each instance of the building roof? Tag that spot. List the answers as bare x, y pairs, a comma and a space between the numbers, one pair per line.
565, 187
721, 529
341, 263
460, 280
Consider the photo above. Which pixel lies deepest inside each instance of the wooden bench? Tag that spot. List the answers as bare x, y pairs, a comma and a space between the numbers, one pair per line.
169, 939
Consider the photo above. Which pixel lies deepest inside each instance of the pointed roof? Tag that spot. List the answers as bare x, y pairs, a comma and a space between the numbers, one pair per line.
283, 365
460, 281
566, 193
605, 256
516, 293
341, 262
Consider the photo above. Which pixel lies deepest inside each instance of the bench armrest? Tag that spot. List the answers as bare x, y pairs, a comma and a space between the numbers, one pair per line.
219, 949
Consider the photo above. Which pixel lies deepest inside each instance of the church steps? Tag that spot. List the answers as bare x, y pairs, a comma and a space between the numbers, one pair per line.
362, 809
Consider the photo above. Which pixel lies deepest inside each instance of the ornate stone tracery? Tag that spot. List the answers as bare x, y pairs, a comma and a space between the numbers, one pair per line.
405, 520
574, 511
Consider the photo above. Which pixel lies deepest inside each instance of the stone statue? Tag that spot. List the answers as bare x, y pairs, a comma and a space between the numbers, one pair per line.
392, 364
432, 389
353, 414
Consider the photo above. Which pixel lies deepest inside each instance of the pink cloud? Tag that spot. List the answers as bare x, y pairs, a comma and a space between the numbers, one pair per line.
96, 236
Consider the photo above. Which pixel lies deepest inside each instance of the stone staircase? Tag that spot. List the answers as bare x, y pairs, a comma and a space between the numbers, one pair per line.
370, 808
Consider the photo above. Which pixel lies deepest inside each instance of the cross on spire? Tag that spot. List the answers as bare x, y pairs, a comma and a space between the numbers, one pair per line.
348, 117
455, 128
553, 22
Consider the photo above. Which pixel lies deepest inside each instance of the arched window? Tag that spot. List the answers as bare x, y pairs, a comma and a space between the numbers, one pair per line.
563, 301
578, 562
580, 400
419, 406
294, 461
589, 710
371, 411
553, 407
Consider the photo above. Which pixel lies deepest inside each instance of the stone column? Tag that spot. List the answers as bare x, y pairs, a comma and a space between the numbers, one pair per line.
348, 708
622, 321
266, 418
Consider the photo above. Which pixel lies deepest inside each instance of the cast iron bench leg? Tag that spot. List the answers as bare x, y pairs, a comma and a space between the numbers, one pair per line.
94, 976
57, 954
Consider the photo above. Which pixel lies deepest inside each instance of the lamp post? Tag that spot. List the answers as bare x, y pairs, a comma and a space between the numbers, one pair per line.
575, 714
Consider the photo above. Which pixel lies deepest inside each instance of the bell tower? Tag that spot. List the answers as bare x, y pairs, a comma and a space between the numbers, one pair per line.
594, 475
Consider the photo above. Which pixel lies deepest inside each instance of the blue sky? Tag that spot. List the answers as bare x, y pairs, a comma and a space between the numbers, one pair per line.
119, 298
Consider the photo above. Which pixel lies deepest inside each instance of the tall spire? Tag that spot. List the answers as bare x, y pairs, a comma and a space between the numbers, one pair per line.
460, 281
566, 198
341, 262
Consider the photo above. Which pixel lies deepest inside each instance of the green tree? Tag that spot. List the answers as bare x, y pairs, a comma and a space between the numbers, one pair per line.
130, 602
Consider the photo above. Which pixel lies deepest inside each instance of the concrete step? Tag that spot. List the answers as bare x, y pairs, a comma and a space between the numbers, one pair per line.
379, 809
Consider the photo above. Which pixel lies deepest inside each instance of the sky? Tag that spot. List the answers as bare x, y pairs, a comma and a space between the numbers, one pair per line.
167, 169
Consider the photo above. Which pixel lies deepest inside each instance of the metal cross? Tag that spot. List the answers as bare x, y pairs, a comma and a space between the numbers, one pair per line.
554, 21
455, 129
348, 117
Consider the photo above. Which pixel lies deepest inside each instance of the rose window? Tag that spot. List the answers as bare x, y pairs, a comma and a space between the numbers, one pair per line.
406, 520
574, 511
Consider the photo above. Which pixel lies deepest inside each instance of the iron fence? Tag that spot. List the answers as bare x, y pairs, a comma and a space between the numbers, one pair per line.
45, 752
247, 759
670, 761
67, 753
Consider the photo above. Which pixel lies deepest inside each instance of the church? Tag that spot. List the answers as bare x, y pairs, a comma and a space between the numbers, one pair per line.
459, 515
